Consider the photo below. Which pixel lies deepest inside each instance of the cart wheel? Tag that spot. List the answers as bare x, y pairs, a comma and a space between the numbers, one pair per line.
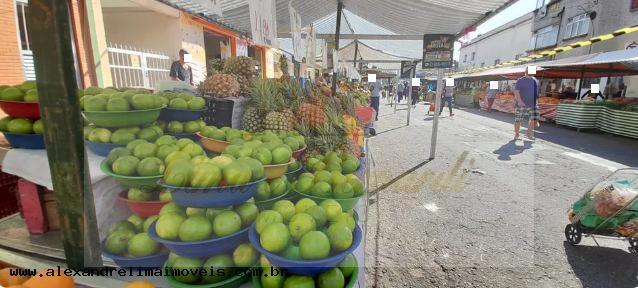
633, 245
573, 234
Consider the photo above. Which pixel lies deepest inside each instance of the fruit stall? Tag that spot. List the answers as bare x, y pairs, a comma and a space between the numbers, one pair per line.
176, 189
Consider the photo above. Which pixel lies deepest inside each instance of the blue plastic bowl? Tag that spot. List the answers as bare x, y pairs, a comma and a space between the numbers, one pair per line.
305, 267
181, 115
191, 136
25, 141
212, 197
152, 261
102, 149
202, 248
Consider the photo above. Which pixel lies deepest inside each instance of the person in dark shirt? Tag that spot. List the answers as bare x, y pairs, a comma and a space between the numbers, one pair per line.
180, 70
526, 93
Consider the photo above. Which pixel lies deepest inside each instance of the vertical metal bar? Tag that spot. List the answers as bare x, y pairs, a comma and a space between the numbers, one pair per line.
145, 80
337, 34
437, 101
356, 51
50, 26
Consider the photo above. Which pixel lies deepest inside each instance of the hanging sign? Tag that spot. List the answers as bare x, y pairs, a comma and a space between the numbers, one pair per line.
241, 47
311, 48
295, 31
263, 24
438, 50
406, 69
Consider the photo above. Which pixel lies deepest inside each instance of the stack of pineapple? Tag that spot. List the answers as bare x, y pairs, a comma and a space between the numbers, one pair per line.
268, 108
220, 86
230, 77
244, 69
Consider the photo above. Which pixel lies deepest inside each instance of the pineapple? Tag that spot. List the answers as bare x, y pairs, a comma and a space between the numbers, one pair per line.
277, 119
241, 66
221, 85
252, 120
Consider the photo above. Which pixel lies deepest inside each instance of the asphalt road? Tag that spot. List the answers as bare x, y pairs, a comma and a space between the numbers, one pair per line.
487, 211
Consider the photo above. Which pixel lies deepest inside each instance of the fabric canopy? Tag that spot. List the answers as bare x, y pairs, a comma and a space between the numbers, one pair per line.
603, 64
405, 17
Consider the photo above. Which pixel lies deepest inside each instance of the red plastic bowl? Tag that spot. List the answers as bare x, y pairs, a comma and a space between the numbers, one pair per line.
365, 114
17, 109
142, 208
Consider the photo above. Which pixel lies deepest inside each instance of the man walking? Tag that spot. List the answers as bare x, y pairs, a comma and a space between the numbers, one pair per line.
400, 92
374, 98
525, 94
448, 97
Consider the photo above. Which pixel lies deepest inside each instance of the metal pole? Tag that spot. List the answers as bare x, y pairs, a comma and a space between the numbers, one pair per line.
337, 32
435, 123
50, 28
412, 73
356, 51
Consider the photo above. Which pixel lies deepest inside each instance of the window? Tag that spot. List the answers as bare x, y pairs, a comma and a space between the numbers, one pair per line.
634, 4
465, 58
21, 10
577, 26
497, 61
473, 56
544, 37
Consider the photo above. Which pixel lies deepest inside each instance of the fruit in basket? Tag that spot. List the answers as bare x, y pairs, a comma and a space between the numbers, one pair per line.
117, 242
145, 150
100, 135
137, 221
275, 237
142, 245
340, 236
331, 278
4, 123
247, 213
38, 127
196, 103
167, 225
122, 136
223, 265
263, 155
148, 222
121, 225
151, 166
125, 165
273, 281
237, 173
304, 184
138, 194
317, 213
256, 168
178, 175
165, 140
117, 105
191, 266
149, 134
332, 207
178, 103
12, 94
265, 218
314, 245
245, 255
175, 127
343, 191
192, 211
281, 155
346, 219
172, 207
191, 126
278, 186
205, 175
263, 191
286, 208
609, 198
226, 223
164, 150
303, 204
31, 96
299, 281
195, 228
300, 224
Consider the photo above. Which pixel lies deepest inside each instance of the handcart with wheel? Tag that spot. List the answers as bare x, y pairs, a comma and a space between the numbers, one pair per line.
609, 209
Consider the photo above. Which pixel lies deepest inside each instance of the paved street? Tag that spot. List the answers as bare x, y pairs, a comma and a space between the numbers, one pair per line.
487, 212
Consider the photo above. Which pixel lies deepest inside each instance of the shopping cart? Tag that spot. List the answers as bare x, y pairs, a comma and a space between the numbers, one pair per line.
581, 221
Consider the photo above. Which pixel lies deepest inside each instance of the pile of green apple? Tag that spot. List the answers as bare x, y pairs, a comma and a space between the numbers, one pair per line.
21, 125
268, 148
149, 133
227, 134
25, 92
326, 184
305, 230
143, 158
173, 127
144, 194
182, 101
272, 188
213, 269
338, 277
176, 223
112, 100
332, 161
129, 238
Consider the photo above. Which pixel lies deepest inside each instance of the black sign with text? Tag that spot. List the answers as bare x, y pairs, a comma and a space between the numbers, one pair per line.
406, 69
438, 50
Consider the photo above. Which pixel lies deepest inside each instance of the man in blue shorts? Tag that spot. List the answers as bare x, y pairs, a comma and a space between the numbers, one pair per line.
526, 93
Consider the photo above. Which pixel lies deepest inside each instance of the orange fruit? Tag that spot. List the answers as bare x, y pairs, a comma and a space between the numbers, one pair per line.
49, 281
7, 280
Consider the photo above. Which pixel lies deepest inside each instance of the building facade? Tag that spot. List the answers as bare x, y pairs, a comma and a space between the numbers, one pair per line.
562, 22
502, 44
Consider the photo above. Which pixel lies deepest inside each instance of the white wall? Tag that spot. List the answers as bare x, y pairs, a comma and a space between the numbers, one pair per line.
504, 45
143, 29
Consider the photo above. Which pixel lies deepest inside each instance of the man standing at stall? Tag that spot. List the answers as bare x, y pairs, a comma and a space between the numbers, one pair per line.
526, 93
180, 70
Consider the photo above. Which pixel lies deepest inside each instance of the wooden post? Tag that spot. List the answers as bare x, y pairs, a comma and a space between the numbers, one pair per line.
337, 32
50, 29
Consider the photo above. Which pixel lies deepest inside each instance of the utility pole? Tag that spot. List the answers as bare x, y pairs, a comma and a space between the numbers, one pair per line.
334, 65
435, 123
51, 41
